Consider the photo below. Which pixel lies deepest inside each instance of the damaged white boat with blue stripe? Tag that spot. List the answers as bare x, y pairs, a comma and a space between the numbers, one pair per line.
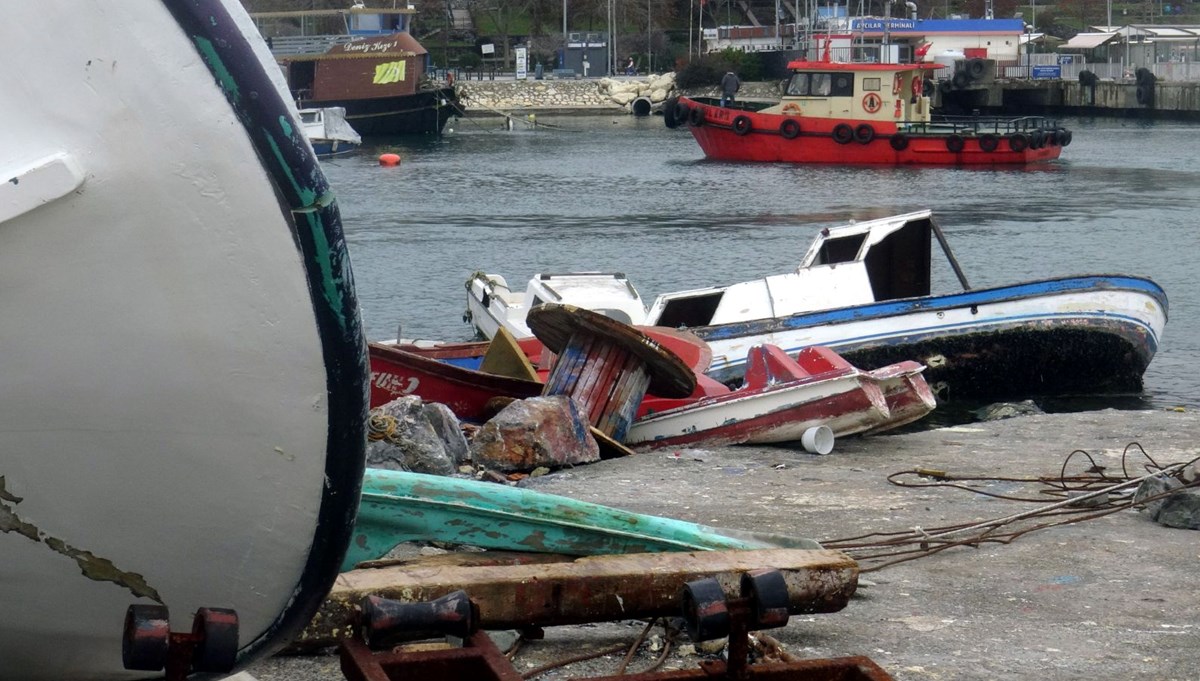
864, 290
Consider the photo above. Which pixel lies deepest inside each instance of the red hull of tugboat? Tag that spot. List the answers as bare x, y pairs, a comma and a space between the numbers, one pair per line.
724, 134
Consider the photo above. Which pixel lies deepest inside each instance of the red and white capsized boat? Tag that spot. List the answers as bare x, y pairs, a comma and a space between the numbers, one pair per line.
860, 114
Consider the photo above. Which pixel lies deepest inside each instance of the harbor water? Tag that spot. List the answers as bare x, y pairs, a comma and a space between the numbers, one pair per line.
626, 194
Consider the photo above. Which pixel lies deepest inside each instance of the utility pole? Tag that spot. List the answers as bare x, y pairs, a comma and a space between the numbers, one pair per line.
886, 56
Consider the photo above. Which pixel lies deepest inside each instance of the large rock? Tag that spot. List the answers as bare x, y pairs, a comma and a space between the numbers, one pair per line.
1154, 487
624, 98
665, 81
540, 431
1181, 510
449, 430
404, 439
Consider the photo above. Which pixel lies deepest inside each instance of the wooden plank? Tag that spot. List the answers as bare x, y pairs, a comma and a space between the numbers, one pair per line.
505, 358
589, 589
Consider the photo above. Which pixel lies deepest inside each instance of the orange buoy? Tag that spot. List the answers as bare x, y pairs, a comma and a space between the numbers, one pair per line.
389, 160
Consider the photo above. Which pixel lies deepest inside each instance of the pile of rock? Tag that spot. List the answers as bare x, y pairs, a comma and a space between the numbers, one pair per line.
624, 91
601, 93
537, 434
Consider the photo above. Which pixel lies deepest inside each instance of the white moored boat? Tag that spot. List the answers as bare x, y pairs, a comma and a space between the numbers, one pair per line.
492, 305
329, 132
184, 373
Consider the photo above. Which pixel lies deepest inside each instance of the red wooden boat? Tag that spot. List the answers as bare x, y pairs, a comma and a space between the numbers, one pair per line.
448, 372
859, 114
396, 372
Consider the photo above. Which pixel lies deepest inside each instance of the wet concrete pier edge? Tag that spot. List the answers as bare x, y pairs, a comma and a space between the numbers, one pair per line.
1108, 598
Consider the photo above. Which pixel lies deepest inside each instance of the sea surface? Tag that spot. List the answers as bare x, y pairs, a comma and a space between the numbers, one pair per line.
625, 194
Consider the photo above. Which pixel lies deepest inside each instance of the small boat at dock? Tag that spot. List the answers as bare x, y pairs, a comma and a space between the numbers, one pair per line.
491, 304
862, 114
328, 132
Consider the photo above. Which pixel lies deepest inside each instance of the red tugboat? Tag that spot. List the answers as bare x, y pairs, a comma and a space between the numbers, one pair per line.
862, 113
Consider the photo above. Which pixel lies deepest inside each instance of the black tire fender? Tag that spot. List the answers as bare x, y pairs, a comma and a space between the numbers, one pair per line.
789, 129
864, 133
669, 108
1018, 141
696, 117
1145, 93
955, 143
842, 133
988, 142
899, 141
976, 67
742, 125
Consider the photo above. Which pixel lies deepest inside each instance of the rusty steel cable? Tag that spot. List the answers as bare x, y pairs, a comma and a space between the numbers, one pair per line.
668, 638
636, 644
1081, 497
538, 671
630, 651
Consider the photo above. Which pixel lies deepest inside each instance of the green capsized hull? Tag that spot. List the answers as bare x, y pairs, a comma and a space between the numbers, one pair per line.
399, 507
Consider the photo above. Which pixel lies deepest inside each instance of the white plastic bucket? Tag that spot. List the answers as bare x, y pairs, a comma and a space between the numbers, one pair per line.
818, 440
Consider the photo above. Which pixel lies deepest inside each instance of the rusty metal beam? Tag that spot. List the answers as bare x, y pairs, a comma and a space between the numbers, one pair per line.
579, 590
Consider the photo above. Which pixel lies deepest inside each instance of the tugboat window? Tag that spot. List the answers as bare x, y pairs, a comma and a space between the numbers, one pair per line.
821, 84
871, 84
798, 85
843, 85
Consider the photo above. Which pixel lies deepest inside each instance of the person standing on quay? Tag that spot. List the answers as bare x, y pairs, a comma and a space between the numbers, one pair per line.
729, 87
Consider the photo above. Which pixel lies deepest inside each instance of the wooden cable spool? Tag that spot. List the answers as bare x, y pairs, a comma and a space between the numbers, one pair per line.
606, 366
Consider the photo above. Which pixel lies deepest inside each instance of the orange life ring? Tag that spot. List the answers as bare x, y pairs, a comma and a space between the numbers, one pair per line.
918, 85
872, 103
791, 109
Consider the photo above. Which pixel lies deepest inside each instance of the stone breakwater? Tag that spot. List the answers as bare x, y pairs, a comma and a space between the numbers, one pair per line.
592, 94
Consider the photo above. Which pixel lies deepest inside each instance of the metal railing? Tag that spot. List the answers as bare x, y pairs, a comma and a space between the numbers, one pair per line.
978, 125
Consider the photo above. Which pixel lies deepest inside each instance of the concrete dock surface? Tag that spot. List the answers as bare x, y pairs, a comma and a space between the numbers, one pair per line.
1113, 597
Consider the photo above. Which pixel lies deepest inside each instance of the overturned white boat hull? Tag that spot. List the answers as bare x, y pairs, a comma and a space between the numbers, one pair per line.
183, 369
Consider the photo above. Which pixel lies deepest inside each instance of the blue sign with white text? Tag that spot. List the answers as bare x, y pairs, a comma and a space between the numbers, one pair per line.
877, 24
1046, 71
